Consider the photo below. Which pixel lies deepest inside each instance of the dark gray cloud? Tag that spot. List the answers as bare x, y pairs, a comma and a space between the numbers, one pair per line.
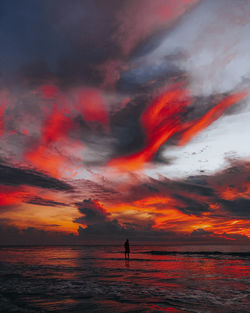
201, 236
187, 185
13, 176
98, 222
11, 235
54, 47
93, 213
126, 127
45, 202
101, 226
190, 205
147, 78
239, 207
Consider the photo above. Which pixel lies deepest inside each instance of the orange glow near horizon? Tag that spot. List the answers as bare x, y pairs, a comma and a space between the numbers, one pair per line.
164, 212
169, 217
42, 217
16, 206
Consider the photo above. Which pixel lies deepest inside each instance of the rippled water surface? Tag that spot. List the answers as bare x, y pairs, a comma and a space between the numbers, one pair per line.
97, 279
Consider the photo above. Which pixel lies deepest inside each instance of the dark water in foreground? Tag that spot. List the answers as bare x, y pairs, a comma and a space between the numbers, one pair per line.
97, 279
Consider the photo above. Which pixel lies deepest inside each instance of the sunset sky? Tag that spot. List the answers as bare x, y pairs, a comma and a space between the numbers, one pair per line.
125, 119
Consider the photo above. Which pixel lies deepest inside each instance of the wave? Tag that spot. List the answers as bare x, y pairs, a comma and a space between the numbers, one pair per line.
200, 253
133, 257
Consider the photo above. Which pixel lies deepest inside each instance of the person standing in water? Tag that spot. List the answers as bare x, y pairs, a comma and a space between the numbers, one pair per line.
127, 249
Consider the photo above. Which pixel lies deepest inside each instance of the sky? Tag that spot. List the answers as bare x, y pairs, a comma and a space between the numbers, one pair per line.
125, 119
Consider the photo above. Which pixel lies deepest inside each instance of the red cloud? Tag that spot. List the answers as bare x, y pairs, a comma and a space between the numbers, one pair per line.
92, 105
163, 118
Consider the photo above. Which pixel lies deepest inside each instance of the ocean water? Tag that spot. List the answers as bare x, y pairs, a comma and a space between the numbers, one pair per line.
98, 279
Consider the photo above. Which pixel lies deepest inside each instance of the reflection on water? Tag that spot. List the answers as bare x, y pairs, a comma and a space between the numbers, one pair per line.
98, 279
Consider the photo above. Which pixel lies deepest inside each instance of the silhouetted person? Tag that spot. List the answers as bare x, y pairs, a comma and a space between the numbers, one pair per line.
127, 249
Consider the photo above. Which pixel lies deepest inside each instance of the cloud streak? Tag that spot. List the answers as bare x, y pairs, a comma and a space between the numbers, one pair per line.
13, 176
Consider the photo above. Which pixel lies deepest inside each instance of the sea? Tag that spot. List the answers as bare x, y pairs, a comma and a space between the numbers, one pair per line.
97, 278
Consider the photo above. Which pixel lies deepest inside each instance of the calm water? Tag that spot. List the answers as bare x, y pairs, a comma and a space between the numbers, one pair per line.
97, 279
